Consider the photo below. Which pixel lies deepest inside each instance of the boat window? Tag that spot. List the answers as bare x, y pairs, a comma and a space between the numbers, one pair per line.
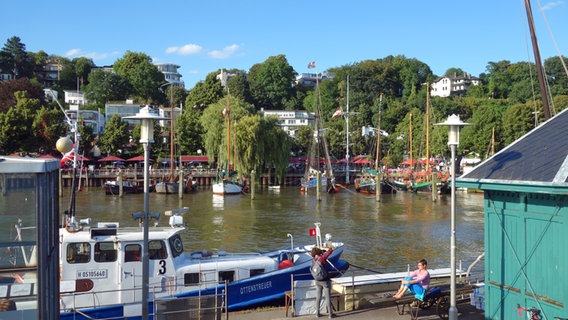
226, 276
157, 250
177, 245
105, 252
256, 272
132, 252
190, 279
79, 252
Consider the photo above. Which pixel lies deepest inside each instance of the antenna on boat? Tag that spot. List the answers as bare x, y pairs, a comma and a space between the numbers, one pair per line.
63, 146
318, 234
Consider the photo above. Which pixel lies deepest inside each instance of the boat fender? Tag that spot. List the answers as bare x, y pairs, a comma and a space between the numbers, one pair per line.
285, 264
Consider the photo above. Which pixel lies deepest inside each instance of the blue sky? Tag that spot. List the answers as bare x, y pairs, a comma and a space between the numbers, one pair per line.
205, 35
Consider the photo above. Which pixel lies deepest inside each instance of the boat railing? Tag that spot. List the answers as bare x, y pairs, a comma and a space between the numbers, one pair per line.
211, 304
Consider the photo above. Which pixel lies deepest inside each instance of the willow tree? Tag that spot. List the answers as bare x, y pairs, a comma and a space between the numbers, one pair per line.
261, 142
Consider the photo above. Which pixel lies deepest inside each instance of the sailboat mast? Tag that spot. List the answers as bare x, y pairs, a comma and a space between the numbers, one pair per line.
539, 69
378, 152
172, 150
411, 163
347, 136
427, 127
228, 130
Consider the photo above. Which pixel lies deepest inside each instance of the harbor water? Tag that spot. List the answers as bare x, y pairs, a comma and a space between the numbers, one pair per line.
384, 236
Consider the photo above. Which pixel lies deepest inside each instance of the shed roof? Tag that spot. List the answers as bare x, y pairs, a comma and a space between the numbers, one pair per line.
539, 158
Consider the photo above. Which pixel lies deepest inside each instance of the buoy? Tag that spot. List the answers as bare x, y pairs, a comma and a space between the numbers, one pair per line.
285, 264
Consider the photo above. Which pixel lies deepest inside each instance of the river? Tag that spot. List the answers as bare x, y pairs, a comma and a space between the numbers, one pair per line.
385, 236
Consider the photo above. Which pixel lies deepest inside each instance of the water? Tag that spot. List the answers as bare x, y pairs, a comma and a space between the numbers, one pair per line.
384, 236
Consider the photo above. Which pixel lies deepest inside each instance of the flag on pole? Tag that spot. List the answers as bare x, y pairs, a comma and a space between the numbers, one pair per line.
311, 65
337, 113
224, 112
313, 232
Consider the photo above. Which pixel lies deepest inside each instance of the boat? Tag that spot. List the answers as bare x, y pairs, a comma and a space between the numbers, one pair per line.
112, 187
228, 184
169, 185
368, 182
101, 270
314, 161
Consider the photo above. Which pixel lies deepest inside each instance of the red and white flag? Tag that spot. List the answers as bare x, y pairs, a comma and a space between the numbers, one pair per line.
337, 113
313, 232
225, 112
311, 65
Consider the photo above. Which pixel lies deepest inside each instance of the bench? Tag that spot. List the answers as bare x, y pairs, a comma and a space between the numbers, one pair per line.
414, 304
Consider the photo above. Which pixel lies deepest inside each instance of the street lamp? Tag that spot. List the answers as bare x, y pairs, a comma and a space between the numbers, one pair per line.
454, 124
147, 115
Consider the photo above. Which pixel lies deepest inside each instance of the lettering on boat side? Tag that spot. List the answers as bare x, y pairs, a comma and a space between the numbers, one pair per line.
256, 287
92, 274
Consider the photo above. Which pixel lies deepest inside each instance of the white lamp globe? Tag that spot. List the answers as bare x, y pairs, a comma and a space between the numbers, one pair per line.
64, 145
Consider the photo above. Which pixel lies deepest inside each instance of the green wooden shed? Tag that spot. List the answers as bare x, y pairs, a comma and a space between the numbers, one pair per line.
525, 189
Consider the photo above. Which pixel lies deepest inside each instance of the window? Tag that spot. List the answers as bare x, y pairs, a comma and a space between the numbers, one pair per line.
190, 279
79, 252
157, 250
105, 252
255, 272
228, 276
132, 252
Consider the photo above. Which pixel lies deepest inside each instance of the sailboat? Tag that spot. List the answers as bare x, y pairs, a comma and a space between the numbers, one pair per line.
225, 185
170, 186
368, 183
314, 160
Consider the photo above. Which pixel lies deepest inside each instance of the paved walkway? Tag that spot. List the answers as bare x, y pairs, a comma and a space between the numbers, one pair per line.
465, 312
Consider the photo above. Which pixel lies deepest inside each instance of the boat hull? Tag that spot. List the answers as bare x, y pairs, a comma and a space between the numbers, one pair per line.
227, 187
167, 187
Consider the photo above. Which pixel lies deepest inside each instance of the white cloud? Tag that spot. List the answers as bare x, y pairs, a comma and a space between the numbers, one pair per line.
551, 5
74, 53
185, 49
224, 53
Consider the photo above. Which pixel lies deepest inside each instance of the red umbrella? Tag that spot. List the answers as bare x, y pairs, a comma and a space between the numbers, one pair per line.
137, 159
111, 159
362, 161
407, 162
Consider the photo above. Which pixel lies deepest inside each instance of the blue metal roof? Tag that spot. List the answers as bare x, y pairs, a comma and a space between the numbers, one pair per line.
538, 158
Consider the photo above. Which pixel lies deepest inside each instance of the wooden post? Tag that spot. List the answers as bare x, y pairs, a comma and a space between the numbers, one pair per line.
378, 186
251, 183
318, 186
120, 184
434, 187
181, 184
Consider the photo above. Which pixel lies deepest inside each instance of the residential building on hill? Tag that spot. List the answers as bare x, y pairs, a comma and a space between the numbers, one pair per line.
171, 73
453, 85
291, 121
310, 79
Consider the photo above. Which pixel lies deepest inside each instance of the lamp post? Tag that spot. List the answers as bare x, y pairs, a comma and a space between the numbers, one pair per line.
147, 115
454, 124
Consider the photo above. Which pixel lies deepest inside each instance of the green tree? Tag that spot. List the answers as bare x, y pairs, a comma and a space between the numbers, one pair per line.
144, 77
15, 60
205, 92
116, 135
517, 121
49, 126
189, 130
556, 75
9, 88
105, 86
272, 83
16, 125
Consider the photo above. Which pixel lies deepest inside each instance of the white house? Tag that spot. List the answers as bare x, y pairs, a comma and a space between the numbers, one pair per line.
453, 85
291, 121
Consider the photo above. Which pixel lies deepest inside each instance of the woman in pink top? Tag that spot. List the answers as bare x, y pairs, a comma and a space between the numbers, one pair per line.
417, 282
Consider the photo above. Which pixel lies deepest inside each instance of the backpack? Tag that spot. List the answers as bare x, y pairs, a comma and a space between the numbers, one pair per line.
318, 270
